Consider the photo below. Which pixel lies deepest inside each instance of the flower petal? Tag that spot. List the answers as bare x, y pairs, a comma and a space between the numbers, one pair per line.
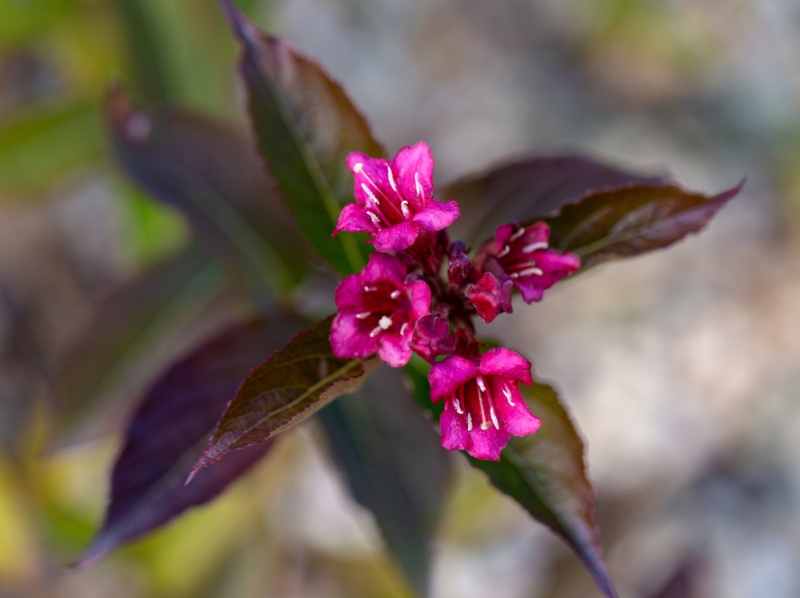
432, 337
487, 444
420, 294
454, 429
554, 267
371, 177
396, 238
437, 215
353, 218
382, 266
348, 295
347, 340
414, 169
447, 375
506, 363
515, 419
491, 298
393, 349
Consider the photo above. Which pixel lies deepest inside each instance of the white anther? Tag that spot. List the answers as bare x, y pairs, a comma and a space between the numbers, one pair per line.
530, 248
417, 184
403, 328
494, 418
405, 210
391, 179
374, 217
481, 385
363, 315
358, 167
375, 332
485, 425
369, 289
370, 194
395, 294
517, 234
505, 251
457, 405
469, 422
530, 271
385, 322
508, 396
514, 275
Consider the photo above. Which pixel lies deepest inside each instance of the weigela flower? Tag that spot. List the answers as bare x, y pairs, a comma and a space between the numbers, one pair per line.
490, 297
377, 311
523, 255
432, 338
483, 404
395, 199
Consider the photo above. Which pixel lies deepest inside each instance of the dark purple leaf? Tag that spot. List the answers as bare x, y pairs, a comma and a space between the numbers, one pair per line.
293, 384
394, 466
526, 190
632, 220
306, 125
215, 177
546, 474
170, 428
135, 333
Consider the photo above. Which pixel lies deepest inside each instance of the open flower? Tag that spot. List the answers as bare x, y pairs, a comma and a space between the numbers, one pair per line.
395, 199
483, 405
377, 311
522, 253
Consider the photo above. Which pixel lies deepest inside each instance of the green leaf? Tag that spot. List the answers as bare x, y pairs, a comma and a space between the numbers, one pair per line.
632, 220
293, 384
139, 329
42, 145
546, 474
306, 126
394, 466
214, 176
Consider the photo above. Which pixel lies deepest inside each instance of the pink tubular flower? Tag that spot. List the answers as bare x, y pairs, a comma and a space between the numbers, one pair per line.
395, 199
377, 311
483, 405
523, 254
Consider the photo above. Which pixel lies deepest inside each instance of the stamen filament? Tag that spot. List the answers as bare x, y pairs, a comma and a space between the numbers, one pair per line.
517, 234
469, 422
417, 184
494, 418
363, 315
531, 247
505, 251
375, 331
370, 194
391, 179
457, 405
507, 393
530, 271
403, 328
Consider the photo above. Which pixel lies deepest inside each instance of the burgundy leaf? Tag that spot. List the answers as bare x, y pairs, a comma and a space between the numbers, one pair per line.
546, 474
632, 220
528, 190
214, 176
306, 126
170, 428
293, 384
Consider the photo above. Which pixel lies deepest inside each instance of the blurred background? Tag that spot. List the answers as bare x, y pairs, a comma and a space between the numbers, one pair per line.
681, 368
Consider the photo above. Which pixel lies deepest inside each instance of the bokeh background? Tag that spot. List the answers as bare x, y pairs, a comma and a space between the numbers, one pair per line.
682, 368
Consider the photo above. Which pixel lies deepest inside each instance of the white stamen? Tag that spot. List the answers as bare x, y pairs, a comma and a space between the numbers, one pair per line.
481, 385
508, 396
514, 275
369, 289
370, 194
485, 425
530, 248
385, 322
417, 184
457, 405
517, 234
529, 271
375, 220
405, 210
403, 328
494, 418
375, 332
391, 179
469, 422
358, 167
505, 251
363, 315
395, 294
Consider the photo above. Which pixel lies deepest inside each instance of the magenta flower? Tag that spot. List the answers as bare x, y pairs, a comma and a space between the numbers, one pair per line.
522, 254
490, 297
483, 405
395, 199
377, 311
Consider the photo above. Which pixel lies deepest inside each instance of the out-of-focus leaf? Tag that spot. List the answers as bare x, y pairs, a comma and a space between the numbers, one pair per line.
394, 466
136, 332
632, 220
170, 428
526, 190
215, 177
145, 52
44, 144
23, 20
293, 384
546, 474
306, 126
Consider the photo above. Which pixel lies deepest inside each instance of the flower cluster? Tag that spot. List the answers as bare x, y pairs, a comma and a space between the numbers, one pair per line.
403, 302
